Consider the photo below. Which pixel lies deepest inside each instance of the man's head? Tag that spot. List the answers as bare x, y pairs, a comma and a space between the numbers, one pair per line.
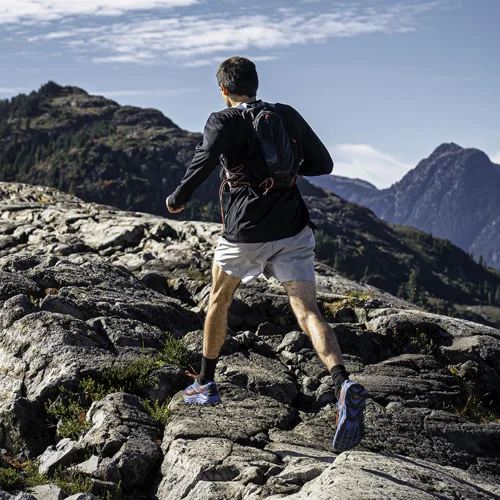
238, 80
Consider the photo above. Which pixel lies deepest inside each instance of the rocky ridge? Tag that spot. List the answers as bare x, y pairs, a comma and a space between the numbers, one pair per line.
85, 288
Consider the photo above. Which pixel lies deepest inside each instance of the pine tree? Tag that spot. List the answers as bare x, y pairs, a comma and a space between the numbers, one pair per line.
413, 286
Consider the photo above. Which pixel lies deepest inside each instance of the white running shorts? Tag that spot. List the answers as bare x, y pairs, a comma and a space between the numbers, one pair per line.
288, 259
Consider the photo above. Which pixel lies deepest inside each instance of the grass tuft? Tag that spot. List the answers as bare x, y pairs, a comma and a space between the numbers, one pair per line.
159, 411
10, 479
20, 475
469, 405
174, 352
72, 481
413, 341
352, 299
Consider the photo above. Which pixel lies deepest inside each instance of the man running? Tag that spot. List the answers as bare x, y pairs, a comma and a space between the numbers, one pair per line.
266, 229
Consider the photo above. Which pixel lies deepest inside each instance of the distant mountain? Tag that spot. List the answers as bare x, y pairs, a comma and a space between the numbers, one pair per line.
453, 194
347, 188
133, 158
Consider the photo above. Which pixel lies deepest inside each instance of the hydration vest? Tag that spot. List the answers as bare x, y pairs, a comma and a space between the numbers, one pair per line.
269, 144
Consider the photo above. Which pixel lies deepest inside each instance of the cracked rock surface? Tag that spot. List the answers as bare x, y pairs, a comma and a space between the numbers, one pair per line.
85, 287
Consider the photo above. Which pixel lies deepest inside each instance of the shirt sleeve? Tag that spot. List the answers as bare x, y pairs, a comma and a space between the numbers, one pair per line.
205, 159
316, 158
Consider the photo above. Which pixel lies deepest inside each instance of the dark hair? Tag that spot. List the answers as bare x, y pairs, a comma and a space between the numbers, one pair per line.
239, 76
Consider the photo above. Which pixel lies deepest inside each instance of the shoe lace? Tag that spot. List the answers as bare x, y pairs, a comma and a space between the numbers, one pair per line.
193, 374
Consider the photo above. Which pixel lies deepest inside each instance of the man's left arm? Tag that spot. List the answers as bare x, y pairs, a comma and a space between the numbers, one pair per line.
316, 158
205, 159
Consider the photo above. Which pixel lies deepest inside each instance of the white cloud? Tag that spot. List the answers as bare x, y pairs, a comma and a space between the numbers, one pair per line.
51, 10
496, 158
362, 161
139, 93
138, 57
180, 39
195, 63
263, 58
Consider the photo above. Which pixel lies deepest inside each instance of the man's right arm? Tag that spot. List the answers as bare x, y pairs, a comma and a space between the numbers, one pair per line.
205, 159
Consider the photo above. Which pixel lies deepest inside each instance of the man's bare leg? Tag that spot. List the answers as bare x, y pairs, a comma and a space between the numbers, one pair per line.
204, 390
351, 395
302, 295
221, 296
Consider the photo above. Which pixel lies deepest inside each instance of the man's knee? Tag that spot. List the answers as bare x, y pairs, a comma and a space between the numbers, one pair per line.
223, 286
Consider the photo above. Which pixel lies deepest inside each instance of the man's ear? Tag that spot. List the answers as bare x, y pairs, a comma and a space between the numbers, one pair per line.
224, 89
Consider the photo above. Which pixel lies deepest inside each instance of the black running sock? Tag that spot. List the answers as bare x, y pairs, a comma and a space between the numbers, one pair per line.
207, 372
339, 376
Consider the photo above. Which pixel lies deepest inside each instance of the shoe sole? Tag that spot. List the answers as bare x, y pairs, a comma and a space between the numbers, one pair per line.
351, 419
199, 399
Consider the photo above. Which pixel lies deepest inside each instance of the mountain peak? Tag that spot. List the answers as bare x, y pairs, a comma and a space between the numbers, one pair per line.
53, 89
447, 148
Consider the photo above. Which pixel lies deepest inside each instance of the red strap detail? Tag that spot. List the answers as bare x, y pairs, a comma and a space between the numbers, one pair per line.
193, 373
267, 184
236, 179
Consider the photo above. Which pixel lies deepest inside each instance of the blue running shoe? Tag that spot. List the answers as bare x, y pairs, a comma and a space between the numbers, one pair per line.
202, 394
351, 416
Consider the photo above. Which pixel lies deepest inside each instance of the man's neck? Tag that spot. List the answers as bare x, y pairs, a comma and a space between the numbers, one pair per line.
241, 100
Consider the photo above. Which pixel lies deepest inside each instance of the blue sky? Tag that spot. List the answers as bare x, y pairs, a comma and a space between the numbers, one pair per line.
382, 82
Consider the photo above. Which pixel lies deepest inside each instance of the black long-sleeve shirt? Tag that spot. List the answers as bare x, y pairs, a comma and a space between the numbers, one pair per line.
251, 216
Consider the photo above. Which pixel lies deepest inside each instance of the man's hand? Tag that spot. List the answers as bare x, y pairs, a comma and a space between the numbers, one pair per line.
174, 210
